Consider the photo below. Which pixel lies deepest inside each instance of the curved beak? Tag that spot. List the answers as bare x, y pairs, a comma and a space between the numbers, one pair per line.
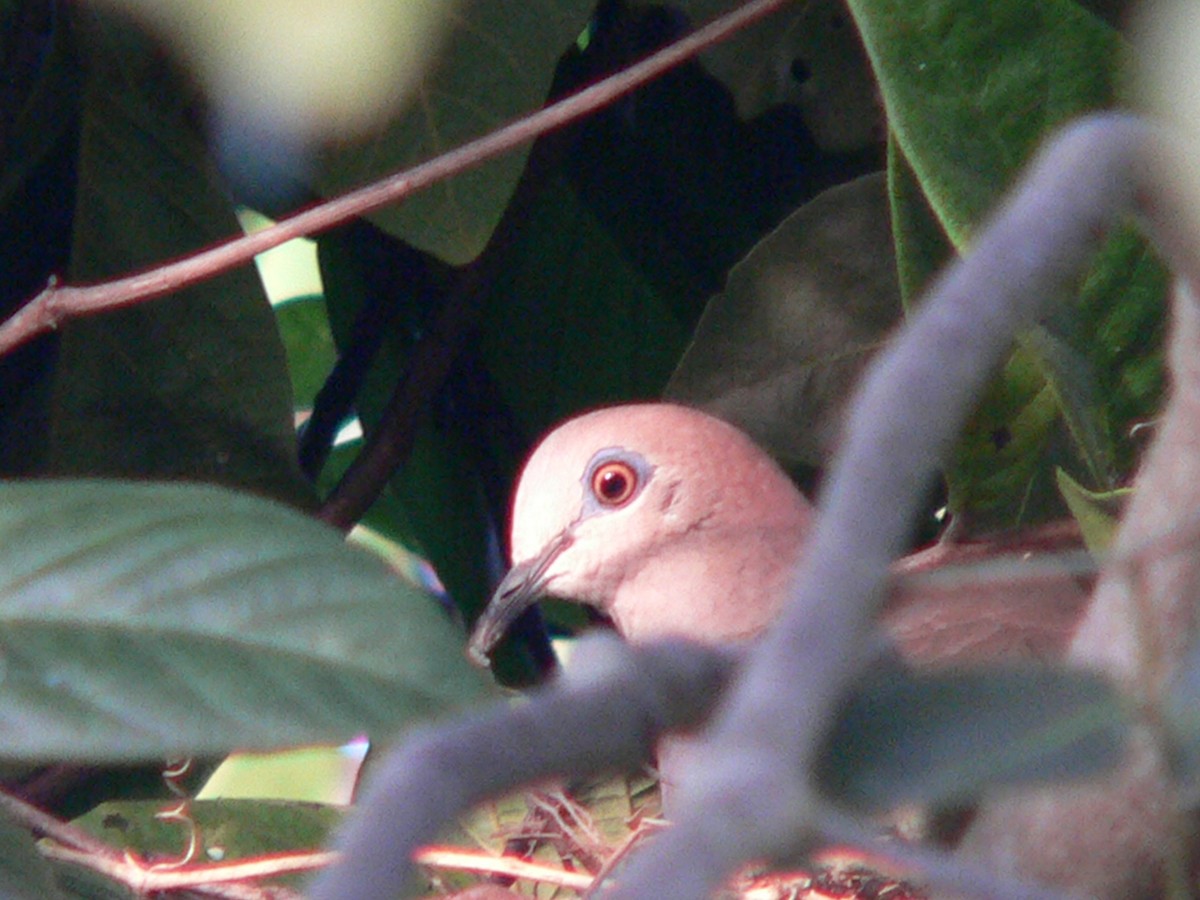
522, 587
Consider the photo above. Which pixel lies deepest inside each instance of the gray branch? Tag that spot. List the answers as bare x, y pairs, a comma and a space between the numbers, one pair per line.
751, 796
605, 715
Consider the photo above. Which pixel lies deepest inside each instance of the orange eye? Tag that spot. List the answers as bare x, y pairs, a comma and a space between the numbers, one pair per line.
614, 483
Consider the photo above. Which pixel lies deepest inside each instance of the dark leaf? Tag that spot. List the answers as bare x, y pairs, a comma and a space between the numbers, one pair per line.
778, 351
194, 385
944, 737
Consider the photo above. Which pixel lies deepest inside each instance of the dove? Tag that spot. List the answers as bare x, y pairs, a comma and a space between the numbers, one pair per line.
669, 521
674, 523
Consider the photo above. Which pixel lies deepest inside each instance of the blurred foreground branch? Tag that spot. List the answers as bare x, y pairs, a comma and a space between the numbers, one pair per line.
751, 795
605, 715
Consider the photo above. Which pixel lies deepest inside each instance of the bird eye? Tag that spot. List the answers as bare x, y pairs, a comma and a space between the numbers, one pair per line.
614, 483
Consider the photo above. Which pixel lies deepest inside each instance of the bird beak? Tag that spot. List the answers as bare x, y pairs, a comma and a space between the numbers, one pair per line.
522, 587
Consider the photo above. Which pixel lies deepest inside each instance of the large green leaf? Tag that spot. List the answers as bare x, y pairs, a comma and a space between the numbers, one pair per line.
497, 64
944, 737
570, 299
225, 831
970, 91
194, 385
142, 620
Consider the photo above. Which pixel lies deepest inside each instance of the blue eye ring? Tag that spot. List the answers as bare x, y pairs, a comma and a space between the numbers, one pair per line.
613, 478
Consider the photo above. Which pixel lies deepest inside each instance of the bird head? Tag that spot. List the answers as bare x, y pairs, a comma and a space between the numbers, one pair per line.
669, 520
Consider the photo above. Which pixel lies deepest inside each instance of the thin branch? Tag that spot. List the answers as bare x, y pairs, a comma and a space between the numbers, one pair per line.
42, 823
605, 715
902, 425
144, 877
488, 864
57, 303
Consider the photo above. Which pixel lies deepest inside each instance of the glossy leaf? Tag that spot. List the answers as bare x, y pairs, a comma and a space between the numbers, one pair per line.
143, 620
970, 92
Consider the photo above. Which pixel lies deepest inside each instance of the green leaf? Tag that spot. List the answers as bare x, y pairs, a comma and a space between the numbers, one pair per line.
944, 737
570, 299
922, 247
226, 831
311, 354
194, 385
145, 620
314, 773
496, 65
24, 873
779, 350
1097, 512
970, 91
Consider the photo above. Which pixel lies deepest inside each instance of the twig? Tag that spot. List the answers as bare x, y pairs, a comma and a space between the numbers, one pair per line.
45, 824
606, 715
57, 303
146, 877
751, 797
467, 861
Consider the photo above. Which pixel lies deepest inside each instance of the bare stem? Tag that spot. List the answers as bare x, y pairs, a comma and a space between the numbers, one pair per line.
58, 303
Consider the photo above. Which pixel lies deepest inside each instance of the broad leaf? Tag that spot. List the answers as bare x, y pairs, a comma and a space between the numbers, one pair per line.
778, 351
143, 620
226, 831
970, 92
497, 64
194, 385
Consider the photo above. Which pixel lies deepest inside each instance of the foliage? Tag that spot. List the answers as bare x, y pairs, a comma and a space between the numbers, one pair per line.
699, 237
